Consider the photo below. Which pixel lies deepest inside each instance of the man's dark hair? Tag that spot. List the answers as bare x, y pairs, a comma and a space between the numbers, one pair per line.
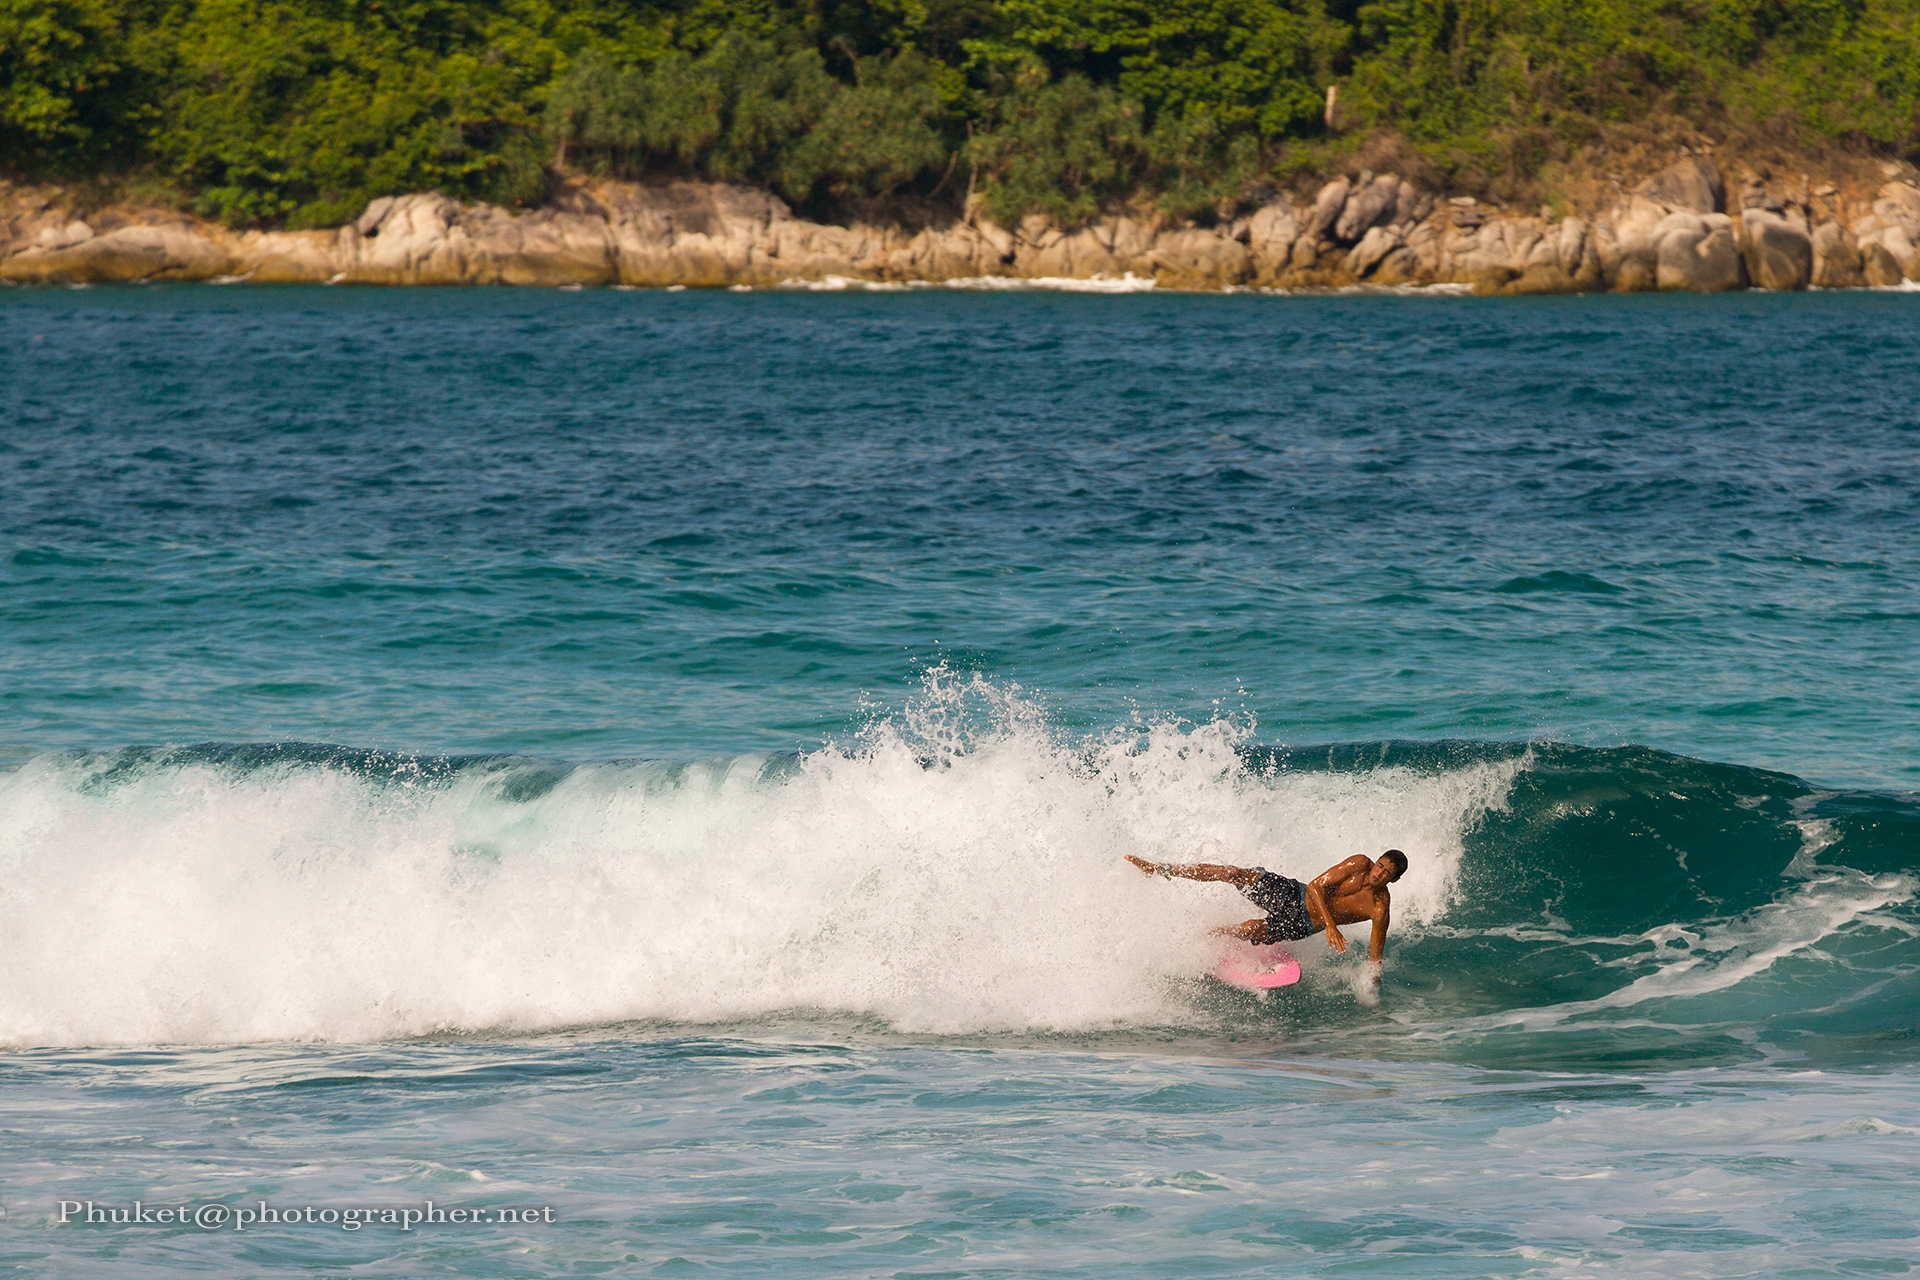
1399, 858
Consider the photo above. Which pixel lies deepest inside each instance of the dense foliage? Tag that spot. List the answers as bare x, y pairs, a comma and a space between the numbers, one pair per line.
299, 111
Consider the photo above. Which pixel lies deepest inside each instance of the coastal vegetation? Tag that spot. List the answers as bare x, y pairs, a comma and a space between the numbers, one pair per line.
298, 112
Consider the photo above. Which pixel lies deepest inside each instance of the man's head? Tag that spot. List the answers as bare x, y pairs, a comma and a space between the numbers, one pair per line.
1388, 867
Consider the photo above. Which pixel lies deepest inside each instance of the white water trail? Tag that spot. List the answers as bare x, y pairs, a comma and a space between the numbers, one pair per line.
958, 870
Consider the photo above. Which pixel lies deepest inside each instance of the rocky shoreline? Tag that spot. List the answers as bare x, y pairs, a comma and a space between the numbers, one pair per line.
1683, 229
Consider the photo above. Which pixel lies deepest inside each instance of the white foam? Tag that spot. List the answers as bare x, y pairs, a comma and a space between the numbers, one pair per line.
1867, 1127
1099, 283
957, 869
1440, 290
1128, 283
1728, 952
1444, 289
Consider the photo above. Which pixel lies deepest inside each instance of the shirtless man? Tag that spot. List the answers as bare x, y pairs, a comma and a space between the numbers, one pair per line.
1351, 892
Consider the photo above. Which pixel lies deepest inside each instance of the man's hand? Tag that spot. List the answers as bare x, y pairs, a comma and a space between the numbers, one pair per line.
1336, 939
1150, 868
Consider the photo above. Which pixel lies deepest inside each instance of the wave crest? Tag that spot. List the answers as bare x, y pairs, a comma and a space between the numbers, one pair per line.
956, 869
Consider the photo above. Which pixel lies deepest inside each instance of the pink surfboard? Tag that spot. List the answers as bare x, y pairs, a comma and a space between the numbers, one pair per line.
1254, 968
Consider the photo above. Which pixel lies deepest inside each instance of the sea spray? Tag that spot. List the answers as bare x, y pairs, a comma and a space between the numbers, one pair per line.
956, 869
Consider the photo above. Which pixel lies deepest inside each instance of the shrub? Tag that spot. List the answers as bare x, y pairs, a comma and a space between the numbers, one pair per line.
71, 93
744, 112
278, 111
1063, 149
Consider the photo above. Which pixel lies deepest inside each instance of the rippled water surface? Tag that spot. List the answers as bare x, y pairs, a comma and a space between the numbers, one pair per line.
663, 759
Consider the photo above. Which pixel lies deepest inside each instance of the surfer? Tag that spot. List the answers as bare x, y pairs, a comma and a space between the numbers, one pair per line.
1350, 892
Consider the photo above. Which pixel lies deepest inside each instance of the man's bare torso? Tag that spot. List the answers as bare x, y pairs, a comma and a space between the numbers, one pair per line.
1352, 899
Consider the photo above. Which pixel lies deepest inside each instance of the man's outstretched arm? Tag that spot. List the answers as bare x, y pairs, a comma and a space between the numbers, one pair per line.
1238, 877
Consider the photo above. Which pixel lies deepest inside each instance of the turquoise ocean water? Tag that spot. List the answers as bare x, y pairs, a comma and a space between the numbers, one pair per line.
664, 760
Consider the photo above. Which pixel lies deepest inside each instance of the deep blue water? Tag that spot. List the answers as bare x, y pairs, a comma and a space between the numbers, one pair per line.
665, 758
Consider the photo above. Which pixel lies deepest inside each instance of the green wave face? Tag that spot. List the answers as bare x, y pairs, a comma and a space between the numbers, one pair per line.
1626, 906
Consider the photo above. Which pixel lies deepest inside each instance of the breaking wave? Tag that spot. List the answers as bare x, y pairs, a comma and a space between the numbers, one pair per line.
955, 870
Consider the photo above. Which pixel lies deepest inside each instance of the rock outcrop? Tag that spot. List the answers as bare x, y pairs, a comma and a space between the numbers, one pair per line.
1889, 232
1697, 254
1836, 258
1779, 252
1690, 184
1674, 232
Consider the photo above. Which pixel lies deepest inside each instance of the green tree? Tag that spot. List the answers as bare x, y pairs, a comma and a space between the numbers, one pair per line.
1064, 148
1244, 63
876, 135
283, 111
745, 112
70, 92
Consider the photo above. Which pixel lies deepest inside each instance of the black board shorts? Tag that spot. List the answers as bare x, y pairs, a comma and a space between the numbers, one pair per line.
1285, 902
